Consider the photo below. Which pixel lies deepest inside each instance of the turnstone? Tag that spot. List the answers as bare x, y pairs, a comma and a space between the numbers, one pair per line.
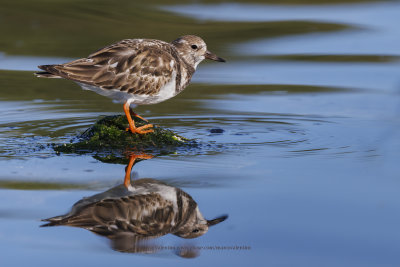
131, 217
136, 71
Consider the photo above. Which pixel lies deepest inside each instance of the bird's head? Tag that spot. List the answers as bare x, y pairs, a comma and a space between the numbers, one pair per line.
194, 50
197, 226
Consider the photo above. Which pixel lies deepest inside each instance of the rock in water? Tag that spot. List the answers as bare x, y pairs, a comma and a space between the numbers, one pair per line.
109, 135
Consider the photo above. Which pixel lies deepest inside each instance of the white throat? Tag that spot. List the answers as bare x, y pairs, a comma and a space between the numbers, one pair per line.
198, 62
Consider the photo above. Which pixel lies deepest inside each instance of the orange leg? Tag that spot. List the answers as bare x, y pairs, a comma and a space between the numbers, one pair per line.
137, 115
132, 127
128, 170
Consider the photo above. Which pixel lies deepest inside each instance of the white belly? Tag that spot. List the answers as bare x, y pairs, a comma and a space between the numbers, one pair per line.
166, 92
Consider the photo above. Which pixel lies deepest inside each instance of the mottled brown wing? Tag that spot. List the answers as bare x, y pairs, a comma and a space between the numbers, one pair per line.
147, 215
131, 66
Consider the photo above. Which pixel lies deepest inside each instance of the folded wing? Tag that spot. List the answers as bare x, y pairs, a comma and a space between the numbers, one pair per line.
128, 66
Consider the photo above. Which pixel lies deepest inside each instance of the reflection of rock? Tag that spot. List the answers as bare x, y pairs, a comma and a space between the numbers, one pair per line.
129, 216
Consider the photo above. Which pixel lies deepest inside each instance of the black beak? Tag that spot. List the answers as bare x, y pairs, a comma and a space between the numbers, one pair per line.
214, 57
217, 220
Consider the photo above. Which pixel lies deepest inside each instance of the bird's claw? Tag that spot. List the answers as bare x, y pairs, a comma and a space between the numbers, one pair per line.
140, 130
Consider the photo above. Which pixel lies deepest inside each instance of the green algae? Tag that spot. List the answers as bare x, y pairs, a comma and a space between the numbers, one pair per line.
109, 135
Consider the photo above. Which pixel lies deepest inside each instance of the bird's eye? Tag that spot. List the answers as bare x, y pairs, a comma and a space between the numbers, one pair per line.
195, 230
194, 46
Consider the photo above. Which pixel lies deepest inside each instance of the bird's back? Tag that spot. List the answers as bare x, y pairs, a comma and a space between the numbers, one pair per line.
144, 68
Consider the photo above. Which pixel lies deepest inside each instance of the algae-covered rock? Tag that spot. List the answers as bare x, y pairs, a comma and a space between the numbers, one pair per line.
109, 135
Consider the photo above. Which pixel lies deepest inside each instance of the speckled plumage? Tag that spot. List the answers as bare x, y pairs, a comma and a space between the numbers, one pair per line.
141, 67
138, 71
148, 209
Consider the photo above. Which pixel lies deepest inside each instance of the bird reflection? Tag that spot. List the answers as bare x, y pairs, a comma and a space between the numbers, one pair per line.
132, 214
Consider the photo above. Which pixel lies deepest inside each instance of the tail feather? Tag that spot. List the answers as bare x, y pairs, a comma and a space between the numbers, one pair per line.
49, 72
45, 74
47, 68
58, 220
49, 224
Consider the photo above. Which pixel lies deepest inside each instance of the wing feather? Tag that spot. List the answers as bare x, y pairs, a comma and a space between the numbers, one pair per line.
138, 67
143, 215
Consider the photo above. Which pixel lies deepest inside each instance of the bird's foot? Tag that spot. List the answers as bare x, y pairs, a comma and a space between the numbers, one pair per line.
137, 115
141, 130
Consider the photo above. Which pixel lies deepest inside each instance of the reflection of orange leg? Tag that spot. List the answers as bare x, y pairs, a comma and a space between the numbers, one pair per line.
127, 181
132, 127
132, 159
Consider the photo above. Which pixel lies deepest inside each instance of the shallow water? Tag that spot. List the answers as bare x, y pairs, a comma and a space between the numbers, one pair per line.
306, 166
